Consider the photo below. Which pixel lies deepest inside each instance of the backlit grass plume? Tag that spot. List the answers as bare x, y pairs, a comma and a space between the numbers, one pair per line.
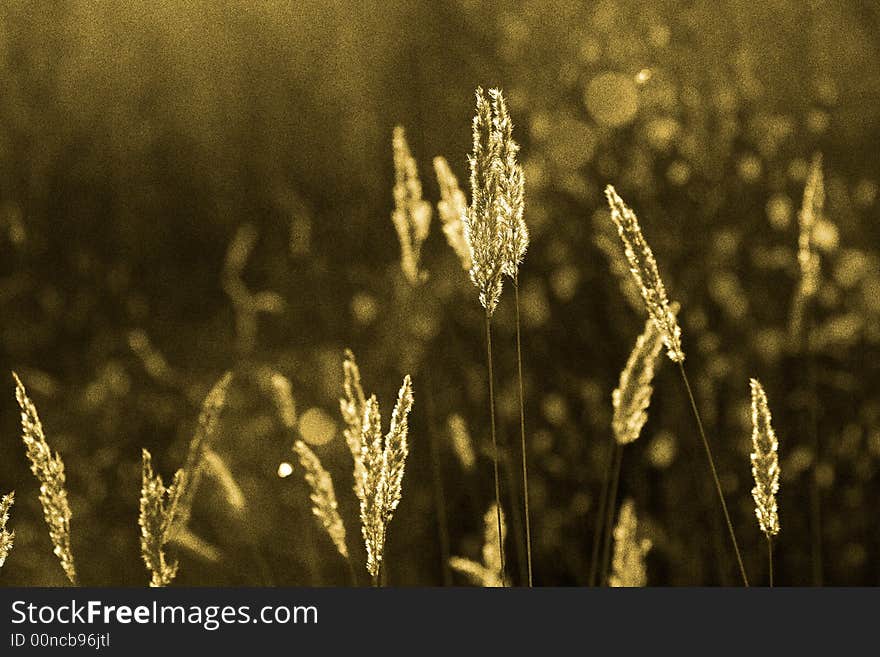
630, 401
323, 496
486, 226
633, 394
812, 208
489, 573
452, 207
765, 462
48, 468
411, 215
810, 213
512, 187
379, 460
159, 507
6, 537
628, 565
202, 442
352, 407
644, 269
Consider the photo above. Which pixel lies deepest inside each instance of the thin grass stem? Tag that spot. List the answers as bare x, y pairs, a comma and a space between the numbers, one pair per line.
711, 460
600, 516
616, 463
522, 433
770, 558
494, 439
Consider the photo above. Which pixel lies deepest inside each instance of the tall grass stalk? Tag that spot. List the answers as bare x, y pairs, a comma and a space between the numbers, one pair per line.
522, 433
770, 559
494, 439
600, 516
711, 460
616, 464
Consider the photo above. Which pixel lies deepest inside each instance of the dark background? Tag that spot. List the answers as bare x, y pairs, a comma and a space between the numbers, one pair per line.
136, 139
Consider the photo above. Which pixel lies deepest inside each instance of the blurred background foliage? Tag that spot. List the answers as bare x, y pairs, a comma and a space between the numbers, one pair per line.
190, 187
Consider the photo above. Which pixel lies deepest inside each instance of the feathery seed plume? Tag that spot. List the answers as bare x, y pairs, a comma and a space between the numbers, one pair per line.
512, 187
379, 464
765, 462
633, 395
411, 215
452, 207
352, 408
810, 213
202, 441
486, 222
628, 564
323, 496
48, 468
644, 269
6, 537
158, 507
812, 208
488, 573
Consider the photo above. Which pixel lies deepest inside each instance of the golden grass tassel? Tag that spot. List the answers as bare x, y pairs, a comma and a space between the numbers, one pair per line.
379, 461
202, 442
628, 565
323, 496
809, 263
452, 207
765, 462
353, 407
632, 396
159, 507
6, 537
48, 468
411, 215
485, 225
644, 269
489, 573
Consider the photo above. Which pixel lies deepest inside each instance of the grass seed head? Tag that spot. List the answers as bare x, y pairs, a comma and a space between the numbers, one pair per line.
323, 496
452, 209
765, 462
48, 468
159, 507
6, 537
628, 564
411, 215
632, 396
644, 269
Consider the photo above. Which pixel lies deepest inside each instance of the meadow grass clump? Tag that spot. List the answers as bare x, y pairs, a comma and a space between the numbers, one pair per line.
765, 468
489, 573
497, 238
7, 537
630, 401
48, 468
379, 460
159, 507
644, 269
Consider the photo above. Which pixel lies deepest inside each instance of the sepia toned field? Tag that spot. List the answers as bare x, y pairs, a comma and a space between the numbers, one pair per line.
433, 294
